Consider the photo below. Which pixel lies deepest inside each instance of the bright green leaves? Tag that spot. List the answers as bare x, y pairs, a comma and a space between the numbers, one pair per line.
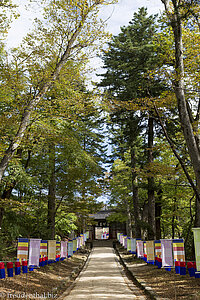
44, 103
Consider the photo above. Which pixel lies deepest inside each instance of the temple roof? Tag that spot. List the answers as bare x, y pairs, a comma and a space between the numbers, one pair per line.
101, 215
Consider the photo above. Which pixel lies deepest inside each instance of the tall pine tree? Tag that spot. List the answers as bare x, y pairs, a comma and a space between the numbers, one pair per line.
128, 60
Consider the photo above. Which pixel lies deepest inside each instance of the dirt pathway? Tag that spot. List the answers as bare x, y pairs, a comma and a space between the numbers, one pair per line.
103, 278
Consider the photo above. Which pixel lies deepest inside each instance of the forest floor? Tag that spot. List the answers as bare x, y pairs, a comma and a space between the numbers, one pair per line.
49, 282
165, 284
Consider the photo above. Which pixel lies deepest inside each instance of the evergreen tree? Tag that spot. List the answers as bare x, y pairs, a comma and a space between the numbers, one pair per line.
129, 59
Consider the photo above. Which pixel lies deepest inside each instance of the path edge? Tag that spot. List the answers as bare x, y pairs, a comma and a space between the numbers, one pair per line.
142, 285
75, 275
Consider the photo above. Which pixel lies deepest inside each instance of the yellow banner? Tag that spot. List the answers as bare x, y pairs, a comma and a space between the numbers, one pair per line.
150, 250
52, 249
22, 244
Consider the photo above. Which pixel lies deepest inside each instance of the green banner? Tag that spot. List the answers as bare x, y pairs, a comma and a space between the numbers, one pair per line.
196, 232
128, 244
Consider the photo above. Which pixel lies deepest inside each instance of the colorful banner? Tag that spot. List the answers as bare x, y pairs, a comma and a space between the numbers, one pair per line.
125, 241
70, 248
121, 238
140, 249
196, 232
51, 249
118, 236
166, 252
74, 245
145, 251
85, 237
133, 246
43, 248
22, 249
150, 251
178, 250
34, 252
57, 248
78, 242
157, 248
104, 236
63, 252
82, 240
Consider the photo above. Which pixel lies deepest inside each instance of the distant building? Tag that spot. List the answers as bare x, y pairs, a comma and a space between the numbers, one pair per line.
102, 229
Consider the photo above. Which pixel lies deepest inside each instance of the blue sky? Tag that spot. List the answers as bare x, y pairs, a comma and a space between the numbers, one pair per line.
122, 12
117, 14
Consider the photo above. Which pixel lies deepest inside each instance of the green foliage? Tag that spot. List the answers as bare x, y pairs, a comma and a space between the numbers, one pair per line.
67, 117
130, 57
78, 155
7, 12
117, 218
65, 224
138, 75
138, 65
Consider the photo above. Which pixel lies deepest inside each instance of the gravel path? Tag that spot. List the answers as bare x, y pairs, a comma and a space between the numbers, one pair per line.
103, 278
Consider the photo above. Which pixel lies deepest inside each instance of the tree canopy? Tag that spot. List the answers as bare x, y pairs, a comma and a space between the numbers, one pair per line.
142, 120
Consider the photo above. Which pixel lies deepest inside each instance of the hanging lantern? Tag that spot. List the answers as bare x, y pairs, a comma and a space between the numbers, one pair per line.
17, 268
10, 269
24, 266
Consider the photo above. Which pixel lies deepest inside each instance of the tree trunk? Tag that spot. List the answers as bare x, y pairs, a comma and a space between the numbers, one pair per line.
197, 213
173, 218
129, 222
151, 193
158, 212
51, 194
189, 136
189, 178
7, 192
137, 232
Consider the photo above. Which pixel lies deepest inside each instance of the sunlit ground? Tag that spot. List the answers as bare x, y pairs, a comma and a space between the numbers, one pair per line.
102, 279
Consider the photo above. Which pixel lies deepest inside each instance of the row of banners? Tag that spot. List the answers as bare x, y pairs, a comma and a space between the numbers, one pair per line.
34, 249
166, 253
168, 250
33, 253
